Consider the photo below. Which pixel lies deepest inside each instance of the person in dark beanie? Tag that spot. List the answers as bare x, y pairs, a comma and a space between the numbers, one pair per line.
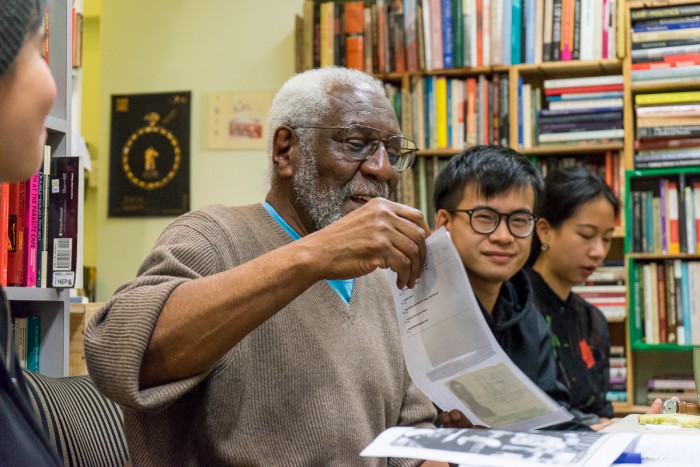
27, 91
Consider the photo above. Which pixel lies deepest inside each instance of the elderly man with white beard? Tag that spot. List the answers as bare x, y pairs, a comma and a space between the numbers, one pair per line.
266, 334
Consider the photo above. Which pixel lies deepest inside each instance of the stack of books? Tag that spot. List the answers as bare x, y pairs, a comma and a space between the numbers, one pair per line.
606, 289
617, 389
579, 110
665, 44
668, 129
668, 386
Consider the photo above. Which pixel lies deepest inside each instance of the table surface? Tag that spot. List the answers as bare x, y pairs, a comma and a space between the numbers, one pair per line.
630, 424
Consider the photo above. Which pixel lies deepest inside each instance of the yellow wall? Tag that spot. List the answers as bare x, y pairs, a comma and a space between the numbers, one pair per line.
175, 45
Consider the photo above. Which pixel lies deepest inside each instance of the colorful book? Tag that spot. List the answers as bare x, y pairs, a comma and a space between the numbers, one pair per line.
16, 232
31, 230
4, 213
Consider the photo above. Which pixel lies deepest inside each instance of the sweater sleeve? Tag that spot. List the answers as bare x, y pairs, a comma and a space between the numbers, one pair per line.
117, 338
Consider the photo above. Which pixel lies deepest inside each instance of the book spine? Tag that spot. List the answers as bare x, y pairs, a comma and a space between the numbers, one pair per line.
516, 32
63, 221
33, 343
16, 232
666, 12
447, 34
31, 232
4, 213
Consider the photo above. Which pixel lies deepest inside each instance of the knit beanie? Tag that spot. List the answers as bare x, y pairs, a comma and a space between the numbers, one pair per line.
17, 19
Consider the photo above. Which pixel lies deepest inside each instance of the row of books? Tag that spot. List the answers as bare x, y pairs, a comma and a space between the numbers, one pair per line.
576, 110
617, 386
665, 215
665, 44
667, 304
441, 112
668, 129
608, 165
40, 219
384, 36
27, 333
668, 386
416, 185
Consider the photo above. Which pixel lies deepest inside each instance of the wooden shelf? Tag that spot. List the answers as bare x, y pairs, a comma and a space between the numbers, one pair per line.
567, 149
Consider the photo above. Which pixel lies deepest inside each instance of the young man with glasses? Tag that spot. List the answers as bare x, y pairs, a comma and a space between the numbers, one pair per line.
485, 197
265, 334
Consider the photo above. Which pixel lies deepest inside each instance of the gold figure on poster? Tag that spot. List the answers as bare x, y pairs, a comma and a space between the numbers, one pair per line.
150, 176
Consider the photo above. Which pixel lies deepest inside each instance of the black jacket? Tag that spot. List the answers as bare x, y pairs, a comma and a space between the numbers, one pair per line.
582, 346
524, 336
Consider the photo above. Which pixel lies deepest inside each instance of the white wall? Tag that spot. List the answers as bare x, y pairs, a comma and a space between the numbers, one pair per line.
203, 46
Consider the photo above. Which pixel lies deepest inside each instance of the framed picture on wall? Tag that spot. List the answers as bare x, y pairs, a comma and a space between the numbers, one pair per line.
238, 120
150, 155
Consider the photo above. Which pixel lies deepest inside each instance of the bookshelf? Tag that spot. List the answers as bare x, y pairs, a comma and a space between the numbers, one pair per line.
52, 305
606, 56
660, 270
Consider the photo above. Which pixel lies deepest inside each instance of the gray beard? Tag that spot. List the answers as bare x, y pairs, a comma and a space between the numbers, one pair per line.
324, 206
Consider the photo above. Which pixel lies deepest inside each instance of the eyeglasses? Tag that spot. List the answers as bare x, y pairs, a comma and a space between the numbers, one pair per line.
358, 146
486, 220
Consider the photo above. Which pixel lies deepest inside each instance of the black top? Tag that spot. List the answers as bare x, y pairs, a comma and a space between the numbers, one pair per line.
581, 343
22, 441
524, 336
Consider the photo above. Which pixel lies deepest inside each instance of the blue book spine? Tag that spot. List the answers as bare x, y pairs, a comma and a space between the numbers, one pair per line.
33, 343
507, 30
426, 111
447, 34
520, 112
449, 113
516, 31
685, 292
529, 6
665, 27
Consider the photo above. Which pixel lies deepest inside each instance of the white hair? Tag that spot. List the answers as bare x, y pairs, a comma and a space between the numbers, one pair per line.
303, 99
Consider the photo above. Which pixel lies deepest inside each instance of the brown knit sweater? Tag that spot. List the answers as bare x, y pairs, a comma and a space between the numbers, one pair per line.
311, 386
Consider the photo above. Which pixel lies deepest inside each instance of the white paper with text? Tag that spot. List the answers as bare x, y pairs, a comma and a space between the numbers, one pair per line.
453, 357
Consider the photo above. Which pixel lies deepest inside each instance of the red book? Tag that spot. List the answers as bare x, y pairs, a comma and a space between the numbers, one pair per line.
15, 227
4, 211
355, 35
650, 65
581, 89
674, 245
666, 143
681, 58
479, 33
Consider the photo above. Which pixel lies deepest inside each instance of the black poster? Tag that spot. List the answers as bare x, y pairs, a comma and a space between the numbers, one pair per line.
149, 169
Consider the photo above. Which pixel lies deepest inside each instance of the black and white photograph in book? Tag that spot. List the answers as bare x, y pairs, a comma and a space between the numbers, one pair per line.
150, 155
555, 447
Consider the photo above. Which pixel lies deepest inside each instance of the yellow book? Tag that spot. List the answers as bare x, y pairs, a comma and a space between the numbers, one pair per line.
667, 97
441, 111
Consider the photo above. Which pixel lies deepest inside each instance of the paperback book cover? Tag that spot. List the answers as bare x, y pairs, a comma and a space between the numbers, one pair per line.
65, 221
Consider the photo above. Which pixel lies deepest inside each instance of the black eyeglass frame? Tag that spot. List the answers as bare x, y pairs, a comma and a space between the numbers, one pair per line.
500, 216
375, 142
